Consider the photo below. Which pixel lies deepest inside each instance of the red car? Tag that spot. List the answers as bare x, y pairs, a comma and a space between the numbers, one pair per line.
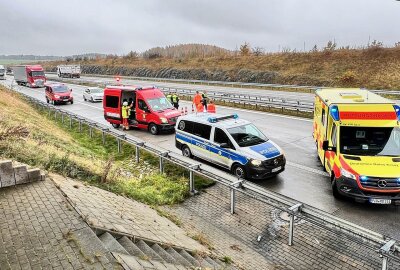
57, 93
150, 108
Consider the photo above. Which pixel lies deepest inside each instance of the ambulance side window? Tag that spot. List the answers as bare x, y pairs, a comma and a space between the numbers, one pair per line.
334, 135
203, 131
323, 117
221, 137
112, 101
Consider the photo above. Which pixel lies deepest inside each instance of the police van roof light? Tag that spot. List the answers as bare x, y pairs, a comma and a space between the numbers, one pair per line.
335, 113
397, 110
216, 119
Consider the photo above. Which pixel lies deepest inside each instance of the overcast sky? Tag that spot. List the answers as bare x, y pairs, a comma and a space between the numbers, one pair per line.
49, 27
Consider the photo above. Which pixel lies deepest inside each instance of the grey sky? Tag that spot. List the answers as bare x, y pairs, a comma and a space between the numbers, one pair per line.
49, 27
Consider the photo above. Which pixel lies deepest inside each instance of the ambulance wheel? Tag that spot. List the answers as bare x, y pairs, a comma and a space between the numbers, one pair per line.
239, 171
335, 191
153, 128
115, 125
186, 152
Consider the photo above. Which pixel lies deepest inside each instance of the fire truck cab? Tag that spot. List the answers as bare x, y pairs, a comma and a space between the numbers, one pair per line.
150, 109
357, 134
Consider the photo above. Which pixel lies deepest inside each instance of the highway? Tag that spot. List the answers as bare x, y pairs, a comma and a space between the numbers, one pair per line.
303, 179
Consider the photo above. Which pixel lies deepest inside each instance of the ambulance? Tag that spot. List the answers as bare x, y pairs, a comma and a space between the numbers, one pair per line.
357, 134
150, 109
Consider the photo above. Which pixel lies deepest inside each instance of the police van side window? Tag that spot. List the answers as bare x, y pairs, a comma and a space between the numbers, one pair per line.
112, 101
202, 131
220, 137
186, 126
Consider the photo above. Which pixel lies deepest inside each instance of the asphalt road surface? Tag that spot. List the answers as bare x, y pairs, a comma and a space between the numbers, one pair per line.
303, 179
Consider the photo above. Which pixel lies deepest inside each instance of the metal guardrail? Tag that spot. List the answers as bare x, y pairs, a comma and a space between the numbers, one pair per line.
234, 84
260, 101
385, 246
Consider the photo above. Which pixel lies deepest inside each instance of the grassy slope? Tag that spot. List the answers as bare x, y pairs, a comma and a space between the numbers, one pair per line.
376, 68
32, 137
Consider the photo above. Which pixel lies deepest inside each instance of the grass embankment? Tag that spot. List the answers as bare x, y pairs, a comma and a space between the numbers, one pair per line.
373, 68
33, 137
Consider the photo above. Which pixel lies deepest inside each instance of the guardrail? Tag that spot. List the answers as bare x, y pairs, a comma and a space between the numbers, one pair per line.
271, 86
259, 101
386, 247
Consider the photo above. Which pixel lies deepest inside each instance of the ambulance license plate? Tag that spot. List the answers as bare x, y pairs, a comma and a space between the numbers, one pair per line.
276, 169
380, 201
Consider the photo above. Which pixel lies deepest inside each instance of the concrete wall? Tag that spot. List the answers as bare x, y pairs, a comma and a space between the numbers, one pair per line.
11, 175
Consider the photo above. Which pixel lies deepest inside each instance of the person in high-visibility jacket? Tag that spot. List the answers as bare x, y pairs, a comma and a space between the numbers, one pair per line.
125, 115
197, 99
169, 97
200, 107
175, 101
211, 107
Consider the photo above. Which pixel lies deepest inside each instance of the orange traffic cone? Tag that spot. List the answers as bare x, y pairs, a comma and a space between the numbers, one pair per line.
186, 112
182, 113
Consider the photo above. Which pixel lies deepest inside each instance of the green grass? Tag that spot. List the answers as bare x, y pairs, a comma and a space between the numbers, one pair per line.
34, 137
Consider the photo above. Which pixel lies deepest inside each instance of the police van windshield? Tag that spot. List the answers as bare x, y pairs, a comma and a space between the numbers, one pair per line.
159, 104
370, 141
247, 135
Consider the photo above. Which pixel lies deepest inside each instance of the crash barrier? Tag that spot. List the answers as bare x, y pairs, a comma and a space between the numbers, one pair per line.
271, 86
386, 248
258, 101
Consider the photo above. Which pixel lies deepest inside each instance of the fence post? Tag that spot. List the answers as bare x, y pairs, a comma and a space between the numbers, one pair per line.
103, 136
70, 121
192, 188
162, 155
55, 114
293, 210
90, 132
237, 184
80, 125
119, 145
137, 151
386, 249
62, 118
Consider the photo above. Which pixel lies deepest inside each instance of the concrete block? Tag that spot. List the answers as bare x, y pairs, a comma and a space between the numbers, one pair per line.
42, 176
34, 175
21, 174
6, 174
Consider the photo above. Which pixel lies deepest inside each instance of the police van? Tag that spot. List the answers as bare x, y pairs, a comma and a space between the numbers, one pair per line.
229, 142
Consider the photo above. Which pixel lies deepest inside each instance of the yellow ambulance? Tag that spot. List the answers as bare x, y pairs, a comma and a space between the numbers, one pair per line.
357, 134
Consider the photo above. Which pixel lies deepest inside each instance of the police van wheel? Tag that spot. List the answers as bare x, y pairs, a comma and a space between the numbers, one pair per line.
186, 152
153, 128
239, 171
115, 125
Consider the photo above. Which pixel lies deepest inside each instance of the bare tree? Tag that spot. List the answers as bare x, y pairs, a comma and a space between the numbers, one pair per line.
257, 51
245, 49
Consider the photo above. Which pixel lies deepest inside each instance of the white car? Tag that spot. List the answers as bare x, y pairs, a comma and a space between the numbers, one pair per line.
93, 94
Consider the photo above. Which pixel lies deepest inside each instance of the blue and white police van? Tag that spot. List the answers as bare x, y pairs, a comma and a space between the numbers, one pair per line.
230, 142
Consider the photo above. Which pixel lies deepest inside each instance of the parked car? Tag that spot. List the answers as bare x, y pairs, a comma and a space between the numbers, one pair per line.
57, 93
93, 94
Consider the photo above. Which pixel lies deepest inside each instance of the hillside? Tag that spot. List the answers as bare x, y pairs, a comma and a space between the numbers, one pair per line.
374, 67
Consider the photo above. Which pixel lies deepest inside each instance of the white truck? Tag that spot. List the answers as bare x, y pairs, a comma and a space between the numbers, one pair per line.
69, 71
2, 72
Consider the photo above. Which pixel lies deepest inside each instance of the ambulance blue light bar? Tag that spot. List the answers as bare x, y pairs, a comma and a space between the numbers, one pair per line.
217, 119
335, 113
397, 110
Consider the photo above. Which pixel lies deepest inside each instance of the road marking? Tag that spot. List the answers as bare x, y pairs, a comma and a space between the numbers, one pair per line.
308, 169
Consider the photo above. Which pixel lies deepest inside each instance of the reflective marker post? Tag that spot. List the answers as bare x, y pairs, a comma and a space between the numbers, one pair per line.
237, 184
384, 250
293, 210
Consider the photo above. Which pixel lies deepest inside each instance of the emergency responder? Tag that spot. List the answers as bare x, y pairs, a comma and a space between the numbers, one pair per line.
204, 98
125, 115
211, 107
169, 97
197, 99
175, 101
200, 107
